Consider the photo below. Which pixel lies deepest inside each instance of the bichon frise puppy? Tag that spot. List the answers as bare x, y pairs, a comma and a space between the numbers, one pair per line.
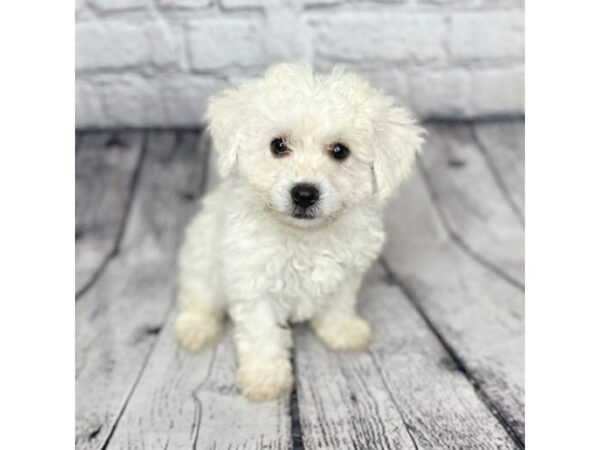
307, 162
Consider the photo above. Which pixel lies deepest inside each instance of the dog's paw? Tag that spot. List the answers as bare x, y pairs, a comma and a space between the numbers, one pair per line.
265, 380
195, 331
344, 333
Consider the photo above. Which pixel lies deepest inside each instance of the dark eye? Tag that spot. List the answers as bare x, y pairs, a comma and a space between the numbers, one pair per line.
339, 151
278, 147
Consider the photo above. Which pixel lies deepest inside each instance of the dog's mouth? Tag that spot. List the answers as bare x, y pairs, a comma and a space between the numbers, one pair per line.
303, 217
303, 214
297, 214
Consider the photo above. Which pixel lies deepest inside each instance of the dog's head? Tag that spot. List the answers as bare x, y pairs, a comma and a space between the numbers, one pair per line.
311, 146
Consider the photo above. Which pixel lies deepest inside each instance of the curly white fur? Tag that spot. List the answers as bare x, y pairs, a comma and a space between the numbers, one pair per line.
246, 255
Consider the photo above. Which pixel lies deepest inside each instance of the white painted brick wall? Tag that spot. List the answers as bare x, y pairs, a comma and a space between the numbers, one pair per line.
372, 37
222, 42
496, 36
156, 62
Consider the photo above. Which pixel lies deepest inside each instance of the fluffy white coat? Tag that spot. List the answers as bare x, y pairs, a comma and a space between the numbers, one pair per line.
248, 255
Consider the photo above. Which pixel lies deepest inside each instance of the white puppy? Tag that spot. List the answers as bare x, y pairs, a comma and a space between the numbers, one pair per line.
307, 162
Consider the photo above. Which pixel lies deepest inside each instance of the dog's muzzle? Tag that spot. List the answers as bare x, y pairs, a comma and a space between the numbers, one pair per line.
304, 197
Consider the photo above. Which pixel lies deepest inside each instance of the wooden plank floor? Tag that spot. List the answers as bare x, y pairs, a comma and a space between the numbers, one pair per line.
446, 300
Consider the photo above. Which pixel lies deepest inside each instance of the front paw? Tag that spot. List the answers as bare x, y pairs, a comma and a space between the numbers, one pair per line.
343, 333
195, 331
262, 380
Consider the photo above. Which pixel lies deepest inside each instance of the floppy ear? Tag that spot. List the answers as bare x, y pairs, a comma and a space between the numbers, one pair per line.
223, 117
398, 141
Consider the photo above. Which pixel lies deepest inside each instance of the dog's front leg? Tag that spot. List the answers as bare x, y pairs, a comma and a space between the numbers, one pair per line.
263, 347
338, 325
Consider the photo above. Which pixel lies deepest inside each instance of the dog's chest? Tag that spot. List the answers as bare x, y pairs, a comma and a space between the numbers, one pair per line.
300, 271
301, 275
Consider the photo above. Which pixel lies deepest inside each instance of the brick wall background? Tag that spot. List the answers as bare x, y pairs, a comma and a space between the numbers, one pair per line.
155, 62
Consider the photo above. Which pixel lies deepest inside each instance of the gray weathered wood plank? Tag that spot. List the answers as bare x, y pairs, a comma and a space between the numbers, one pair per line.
191, 401
470, 200
503, 144
105, 167
118, 319
403, 393
477, 314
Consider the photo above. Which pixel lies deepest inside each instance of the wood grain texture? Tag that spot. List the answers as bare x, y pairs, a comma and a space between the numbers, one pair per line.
503, 144
137, 390
477, 315
403, 393
118, 319
445, 369
470, 201
106, 164
191, 401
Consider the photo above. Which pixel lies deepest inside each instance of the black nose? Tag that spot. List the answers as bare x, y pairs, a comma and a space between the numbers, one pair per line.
305, 194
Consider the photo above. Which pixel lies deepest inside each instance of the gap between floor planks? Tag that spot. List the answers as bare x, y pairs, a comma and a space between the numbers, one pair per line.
115, 246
